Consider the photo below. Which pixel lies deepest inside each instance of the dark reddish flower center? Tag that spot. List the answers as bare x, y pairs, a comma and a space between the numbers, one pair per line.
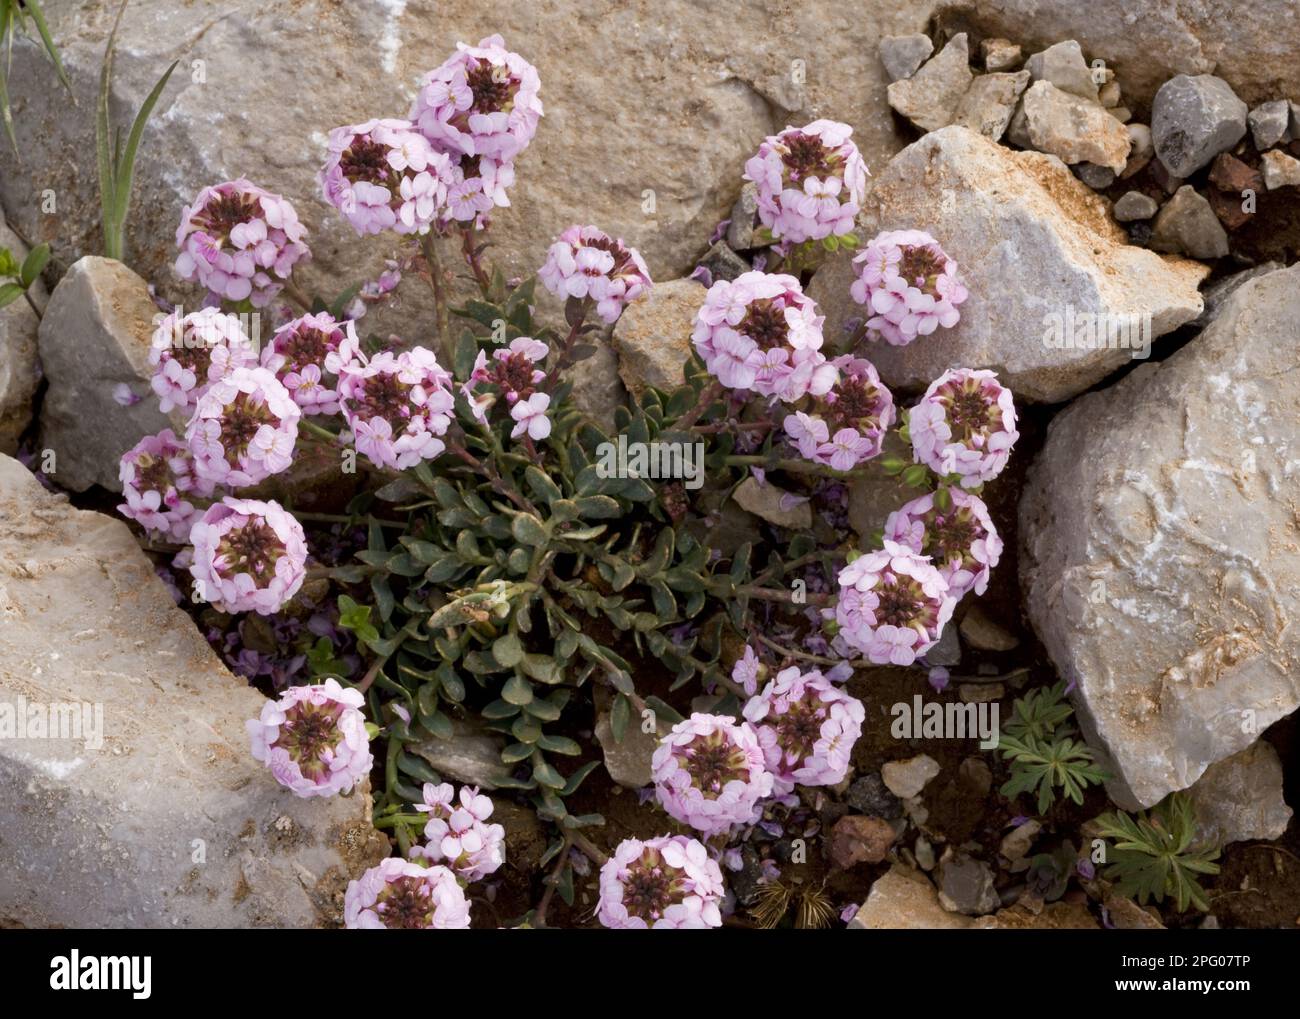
856, 405
806, 156
799, 728
224, 212
253, 548
493, 87
240, 423
712, 761
305, 346
969, 410
514, 374
152, 473
651, 886
388, 397
951, 535
309, 734
365, 159
901, 602
920, 266
765, 323
406, 904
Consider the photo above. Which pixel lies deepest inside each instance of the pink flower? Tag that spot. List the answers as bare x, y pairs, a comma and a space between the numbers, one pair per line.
240, 242
244, 429
510, 373
748, 671
892, 605
530, 416
669, 882
961, 541
313, 739
585, 263
188, 352
306, 355
847, 426
398, 894
398, 406
807, 727
810, 181
248, 555
760, 333
709, 773
385, 175
481, 102
458, 836
477, 185
964, 426
157, 473
910, 285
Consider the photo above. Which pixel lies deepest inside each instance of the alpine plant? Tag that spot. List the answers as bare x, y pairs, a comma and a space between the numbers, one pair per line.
398, 406
846, 426
190, 351
458, 835
909, 284
306, 355
960, 539
893, 605
587, 263
244, 428
385, 175
157, 476
249, 555
964, 426
666, 882
709, 773
401, 895
313, 738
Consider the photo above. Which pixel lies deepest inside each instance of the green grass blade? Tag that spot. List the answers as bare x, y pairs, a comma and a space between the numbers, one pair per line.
126, 160
34, 9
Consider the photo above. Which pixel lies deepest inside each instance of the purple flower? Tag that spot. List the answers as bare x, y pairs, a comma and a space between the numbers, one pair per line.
398, 894
909, 284
458, 834
961, 541
709, 773
586, 263
244, 428
847, 425
964, 426
313, 739
157, 474
748, 671
664, 882
892, 605
530, 417
398, 406
306, 355
248, 555
189, 352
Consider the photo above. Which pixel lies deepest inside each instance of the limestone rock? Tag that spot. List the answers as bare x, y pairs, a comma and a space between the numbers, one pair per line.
471, 755
989, 103
1280, 170
1063, 65
904, 899
1074, 129
1031, 242
1187, 225
773, 504
1269, 122
653, 336
906, 779
929, 99
154, 814
982, 633
1161, 569
1193, 119
597, 390
857, 839
1240, 797
740, 231
999, 54
903, 54
95, 336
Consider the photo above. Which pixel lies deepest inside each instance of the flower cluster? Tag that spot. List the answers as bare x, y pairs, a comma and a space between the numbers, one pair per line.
398, 406
960, 540
965, 425
385, 175
244, 428
709, 773
248, 555
190, 351
810, 182
760, 333
240, 241
847, 426
157, 474
307, 354
458, 836
313, 739
909, 284
511, 372
587, 263
666, 882
893, 604
807, 727
401, 895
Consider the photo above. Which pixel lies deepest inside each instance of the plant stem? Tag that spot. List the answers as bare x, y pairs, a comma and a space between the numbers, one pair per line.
768, 594
592, 851
707, 395
469, 234
562, 362
794, 466
429, 245
552, 880
317, 430
492, 476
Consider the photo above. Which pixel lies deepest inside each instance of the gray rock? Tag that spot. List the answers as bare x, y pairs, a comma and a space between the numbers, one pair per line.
1074, 129
906, 779
1193, 119
946, 653
1134, 205
627, 760
723, 263
597, 390
903, 54
1293, 128
929, 99
1217, 293
740, 231
1017, 842
999, 54
1018, 130
1121, 113
96, 335
904, 899
1019, 225
1280, 170
989, 103
1269, 122
1063, 65
471, 755
966, 885
155, 814
869, 795
1109, 95
1096, 177
1140, 150
1155, 569
983, 634
1240, 797
1187, 225
20, 368
773, 504
653, 336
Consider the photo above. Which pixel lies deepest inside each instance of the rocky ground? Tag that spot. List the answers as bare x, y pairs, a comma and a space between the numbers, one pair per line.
1111, 159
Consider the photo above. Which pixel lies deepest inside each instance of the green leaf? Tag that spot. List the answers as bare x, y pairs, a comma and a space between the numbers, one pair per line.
529, 530
559, 745
575, 780
507, 650
517, 690
620, 713
34, 264
10, 292
546, 775
526, 730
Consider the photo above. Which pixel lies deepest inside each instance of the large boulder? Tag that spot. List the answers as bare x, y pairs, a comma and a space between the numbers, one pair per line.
1254, 47
1040, 254
1159, 554
128, 797
650, 113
